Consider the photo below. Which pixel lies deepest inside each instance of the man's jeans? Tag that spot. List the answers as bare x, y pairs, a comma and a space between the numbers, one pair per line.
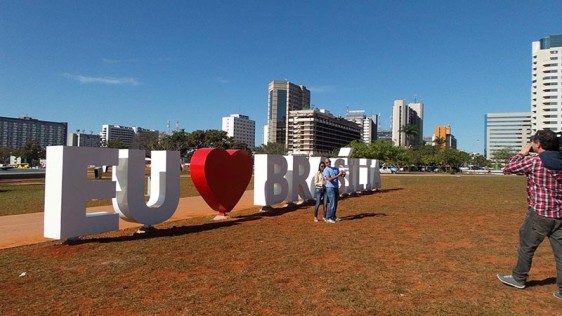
333, 194
320, 195
533, 231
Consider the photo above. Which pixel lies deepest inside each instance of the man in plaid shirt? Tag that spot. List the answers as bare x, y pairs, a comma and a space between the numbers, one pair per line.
544, 196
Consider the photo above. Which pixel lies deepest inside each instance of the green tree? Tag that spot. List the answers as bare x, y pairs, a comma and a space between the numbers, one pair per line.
411, 131
208, 139
32, 152
271, 149
502, 156
146, 141
360, 149
480, 161
439, 142
5, 154
177, 141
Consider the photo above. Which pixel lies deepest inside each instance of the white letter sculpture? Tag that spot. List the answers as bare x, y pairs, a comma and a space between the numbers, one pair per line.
165, 187
270, 185
67, 189
297, 173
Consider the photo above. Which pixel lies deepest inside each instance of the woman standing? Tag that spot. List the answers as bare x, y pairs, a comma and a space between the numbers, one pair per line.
320, 184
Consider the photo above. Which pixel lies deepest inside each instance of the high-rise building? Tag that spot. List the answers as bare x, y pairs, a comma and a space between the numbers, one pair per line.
283, 97
241, 128
84, 140
318, 132
510, 131
368, 125
407, 123
116, 133
18, 132
128, 136
443, 137
546, 87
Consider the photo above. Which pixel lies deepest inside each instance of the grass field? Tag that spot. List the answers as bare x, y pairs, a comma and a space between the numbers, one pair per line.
28, 196
425, 245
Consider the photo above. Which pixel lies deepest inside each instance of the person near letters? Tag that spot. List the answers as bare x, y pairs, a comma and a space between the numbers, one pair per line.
331, 174
320, 192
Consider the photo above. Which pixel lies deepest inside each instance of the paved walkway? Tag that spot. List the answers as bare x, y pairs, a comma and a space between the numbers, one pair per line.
27, 229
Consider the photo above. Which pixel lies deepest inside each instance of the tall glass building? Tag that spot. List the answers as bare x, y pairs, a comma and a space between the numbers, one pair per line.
546, 87
284, 96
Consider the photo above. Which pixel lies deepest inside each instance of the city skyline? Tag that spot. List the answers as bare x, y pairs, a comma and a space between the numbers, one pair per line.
145, 63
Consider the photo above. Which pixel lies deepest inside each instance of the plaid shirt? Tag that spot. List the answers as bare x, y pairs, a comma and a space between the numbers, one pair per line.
544, 186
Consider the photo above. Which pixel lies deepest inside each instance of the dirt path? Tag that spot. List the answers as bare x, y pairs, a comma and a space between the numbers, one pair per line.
27, 229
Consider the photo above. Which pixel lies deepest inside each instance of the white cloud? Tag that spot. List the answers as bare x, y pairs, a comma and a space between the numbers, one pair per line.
103, 80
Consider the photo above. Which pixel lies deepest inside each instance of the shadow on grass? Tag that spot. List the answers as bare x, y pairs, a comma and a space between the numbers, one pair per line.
152, 232
388, 190
362, 215
547, 281
277, 211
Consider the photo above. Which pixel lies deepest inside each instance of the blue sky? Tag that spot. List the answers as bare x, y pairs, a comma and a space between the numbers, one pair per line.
142, 63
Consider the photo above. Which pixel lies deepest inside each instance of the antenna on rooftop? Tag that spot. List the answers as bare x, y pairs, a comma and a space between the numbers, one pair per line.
415, 98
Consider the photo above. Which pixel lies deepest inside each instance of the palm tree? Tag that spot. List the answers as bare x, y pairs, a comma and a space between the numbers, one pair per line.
411, 131
439, 142
271, 149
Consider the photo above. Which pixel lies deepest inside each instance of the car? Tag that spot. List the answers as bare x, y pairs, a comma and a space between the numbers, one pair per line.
385, 169
393, 169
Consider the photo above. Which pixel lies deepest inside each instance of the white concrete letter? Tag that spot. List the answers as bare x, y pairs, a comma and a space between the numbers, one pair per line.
297, 173
165, 186
270, 185
67, 189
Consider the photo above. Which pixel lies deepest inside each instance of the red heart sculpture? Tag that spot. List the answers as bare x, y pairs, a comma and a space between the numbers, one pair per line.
221, 176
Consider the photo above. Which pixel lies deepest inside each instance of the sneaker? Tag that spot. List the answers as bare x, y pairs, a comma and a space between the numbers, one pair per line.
331, 221
324, 219
338, 219
509, 280
316, 220
558, 294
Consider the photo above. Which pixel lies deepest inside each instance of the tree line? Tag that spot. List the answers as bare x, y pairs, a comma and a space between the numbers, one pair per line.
188, 142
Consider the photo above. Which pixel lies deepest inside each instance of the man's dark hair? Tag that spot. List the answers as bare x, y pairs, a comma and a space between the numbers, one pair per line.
547, 139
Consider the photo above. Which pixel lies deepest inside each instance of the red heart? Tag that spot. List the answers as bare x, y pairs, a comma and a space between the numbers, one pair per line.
221, 176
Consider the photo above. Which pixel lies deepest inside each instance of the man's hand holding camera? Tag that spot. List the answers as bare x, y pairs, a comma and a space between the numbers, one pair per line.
526, 149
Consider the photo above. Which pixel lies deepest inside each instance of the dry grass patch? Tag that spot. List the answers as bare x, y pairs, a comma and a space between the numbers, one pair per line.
424, 245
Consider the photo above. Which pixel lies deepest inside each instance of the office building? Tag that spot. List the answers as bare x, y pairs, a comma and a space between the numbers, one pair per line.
368, 125
144, 137
384, 134
18, 132
283, 97
407, 123
546, 86
241, 128
509, 131
127, 137
116, 133
443, 137
84, 140
317, 132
